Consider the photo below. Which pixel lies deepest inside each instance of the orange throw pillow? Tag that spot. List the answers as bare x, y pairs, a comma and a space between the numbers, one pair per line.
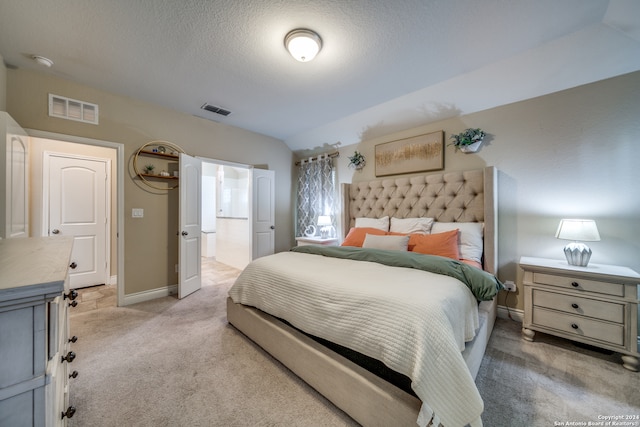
357, 234
442, 244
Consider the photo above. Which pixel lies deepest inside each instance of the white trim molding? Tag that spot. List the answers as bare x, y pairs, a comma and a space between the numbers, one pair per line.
150, 295
510, 313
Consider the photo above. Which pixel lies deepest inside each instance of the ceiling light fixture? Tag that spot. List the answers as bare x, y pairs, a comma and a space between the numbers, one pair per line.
303, 44
42, 60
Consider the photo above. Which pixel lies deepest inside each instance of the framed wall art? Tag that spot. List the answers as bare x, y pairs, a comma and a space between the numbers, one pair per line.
409, 155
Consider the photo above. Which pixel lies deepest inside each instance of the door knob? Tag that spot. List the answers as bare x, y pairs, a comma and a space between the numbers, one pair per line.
185, 233
55, 231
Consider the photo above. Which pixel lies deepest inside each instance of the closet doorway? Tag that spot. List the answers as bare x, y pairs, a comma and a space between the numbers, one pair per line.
83, 149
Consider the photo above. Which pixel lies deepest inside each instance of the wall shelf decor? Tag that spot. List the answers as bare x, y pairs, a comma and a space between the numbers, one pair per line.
164, 150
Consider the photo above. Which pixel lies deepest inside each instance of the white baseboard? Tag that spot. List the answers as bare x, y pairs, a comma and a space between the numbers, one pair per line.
113, 280
150, 295
517, 315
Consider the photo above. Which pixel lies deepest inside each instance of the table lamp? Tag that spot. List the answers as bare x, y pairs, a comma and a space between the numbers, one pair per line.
324, 222
578, 230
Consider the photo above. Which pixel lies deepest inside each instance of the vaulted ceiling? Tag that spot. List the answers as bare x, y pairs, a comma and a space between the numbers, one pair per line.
385, 65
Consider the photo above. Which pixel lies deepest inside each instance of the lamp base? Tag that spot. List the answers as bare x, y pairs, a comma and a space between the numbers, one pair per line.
577, 254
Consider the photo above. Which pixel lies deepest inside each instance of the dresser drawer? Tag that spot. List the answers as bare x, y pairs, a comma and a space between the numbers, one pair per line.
606, 288
579, 326
571, 304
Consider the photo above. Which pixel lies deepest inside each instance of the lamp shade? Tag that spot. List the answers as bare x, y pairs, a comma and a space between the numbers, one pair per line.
324, 220
578, 230
303, 44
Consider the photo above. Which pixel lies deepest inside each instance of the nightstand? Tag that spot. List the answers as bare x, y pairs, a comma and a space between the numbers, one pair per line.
595, 305
330, 241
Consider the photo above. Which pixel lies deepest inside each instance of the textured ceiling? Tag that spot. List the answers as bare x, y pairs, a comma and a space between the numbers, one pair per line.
385, 65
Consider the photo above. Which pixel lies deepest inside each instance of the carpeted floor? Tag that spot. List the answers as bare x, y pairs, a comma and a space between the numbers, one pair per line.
171, 362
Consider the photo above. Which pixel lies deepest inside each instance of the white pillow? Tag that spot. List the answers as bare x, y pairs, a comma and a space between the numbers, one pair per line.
393, 243
411, 225
379, 223
471, 242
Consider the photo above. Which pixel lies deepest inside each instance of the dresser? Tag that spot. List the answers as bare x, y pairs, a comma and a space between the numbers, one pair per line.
35, 347
595, 305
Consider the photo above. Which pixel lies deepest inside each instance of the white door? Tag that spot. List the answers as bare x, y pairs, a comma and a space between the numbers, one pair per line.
263, 212
78, 194
190, 225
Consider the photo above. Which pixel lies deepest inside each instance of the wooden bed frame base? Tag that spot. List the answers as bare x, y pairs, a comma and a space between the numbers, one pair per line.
368, 399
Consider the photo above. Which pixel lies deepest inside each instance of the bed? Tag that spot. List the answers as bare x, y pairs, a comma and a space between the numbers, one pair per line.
295, 338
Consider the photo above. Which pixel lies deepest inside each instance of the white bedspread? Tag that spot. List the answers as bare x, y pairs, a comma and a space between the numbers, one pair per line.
413, 321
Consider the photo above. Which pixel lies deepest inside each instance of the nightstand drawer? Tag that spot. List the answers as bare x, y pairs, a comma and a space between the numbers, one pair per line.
603, 310
579, 326
595, 286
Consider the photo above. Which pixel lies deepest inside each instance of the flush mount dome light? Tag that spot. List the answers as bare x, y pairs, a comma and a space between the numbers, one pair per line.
303, 44
42, 60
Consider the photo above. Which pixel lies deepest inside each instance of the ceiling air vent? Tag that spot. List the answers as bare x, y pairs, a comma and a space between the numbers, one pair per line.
215, 109
72, 109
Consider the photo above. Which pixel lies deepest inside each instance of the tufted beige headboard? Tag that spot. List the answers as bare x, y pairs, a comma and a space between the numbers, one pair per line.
464, 196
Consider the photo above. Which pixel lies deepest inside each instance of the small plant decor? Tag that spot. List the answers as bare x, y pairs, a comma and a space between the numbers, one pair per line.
357, 161
148, 169
468, 138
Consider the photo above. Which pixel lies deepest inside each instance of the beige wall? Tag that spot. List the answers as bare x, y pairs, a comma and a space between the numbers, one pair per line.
3, 85
569, 154
151, 242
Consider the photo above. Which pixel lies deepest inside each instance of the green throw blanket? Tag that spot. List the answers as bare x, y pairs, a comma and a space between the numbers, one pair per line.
484, 285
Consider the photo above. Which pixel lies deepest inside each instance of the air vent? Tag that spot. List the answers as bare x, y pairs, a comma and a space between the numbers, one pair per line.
215, 109
72, 109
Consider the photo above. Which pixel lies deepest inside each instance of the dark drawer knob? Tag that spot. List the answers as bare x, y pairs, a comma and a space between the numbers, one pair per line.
575, 284
73, 339
71, 295
74, 374
69, 357
574, 326
73, 303
574, 305
73, 265
70, 412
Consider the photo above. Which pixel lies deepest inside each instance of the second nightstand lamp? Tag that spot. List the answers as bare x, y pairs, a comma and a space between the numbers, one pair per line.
324, 223
578, 230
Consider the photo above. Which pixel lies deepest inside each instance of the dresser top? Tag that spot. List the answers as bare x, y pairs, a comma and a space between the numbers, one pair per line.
32, 262
591, 269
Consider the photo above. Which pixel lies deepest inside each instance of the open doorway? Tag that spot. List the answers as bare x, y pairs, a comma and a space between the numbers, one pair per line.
226, 226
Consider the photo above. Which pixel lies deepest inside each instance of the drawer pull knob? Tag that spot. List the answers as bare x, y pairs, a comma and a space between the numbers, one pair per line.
73, 339
74, 374
575, 284
69, 357
69, 413
574, 305
71, 295
574, 326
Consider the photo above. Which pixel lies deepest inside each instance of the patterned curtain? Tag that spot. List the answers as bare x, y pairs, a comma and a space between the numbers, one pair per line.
316, 194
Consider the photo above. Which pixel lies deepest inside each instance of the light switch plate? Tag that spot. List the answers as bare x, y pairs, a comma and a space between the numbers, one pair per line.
137, 213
